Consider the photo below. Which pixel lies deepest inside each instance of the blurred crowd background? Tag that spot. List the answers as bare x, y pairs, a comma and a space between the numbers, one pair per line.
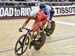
36, 2
41, 0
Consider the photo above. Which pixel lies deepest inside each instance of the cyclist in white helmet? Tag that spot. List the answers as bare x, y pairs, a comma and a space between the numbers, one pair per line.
40, 20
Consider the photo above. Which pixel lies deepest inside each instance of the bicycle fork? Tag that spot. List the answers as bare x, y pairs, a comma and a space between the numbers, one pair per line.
30, 40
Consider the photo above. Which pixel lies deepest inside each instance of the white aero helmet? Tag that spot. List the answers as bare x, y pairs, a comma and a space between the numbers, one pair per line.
33, 13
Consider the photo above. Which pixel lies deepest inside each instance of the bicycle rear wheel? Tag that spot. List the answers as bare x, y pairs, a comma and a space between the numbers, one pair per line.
41, 41
21, 45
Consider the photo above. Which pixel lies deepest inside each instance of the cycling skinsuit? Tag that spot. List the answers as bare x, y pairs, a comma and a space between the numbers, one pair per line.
49, 12
40, 18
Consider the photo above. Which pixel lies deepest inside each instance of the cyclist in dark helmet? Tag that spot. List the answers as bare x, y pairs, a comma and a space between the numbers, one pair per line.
49, 11
42, 6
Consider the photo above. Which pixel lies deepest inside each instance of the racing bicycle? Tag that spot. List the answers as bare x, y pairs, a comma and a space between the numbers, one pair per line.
26, 41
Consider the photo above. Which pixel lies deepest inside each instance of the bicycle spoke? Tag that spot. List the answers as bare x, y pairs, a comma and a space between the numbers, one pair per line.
22, 49
20, 43
18, 48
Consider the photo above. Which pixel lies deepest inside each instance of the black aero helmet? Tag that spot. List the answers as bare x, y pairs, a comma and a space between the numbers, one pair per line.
41, 6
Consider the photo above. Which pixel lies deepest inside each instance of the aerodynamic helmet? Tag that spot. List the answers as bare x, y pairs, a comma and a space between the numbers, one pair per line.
42, 6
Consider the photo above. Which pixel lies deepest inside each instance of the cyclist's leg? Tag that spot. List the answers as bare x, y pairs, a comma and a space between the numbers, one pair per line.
35, 28
44, 23
49, 24
50, 20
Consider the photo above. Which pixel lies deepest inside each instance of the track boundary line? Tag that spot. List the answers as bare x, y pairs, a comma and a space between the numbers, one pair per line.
11, 49
60, 39
64, 23
6, 50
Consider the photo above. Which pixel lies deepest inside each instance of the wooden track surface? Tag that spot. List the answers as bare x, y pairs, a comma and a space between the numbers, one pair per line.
60, 43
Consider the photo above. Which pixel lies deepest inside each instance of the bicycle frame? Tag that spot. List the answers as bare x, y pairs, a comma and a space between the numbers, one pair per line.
26, 41
28, 35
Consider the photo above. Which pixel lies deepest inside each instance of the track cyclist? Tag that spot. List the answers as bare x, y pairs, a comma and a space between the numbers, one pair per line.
40, 20
49, 11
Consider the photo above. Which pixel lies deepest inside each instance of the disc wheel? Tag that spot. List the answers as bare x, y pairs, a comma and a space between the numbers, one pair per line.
41, 41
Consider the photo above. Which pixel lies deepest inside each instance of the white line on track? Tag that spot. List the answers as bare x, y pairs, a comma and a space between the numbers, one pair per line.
65, 23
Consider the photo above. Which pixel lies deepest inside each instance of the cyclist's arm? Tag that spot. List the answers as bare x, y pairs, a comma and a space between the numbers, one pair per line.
25, 23
37, 23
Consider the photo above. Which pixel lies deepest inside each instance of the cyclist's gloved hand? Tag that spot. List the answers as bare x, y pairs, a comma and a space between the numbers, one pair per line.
20, 29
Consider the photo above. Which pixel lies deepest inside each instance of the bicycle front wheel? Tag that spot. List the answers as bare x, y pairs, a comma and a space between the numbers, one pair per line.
52, 29
21, 45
